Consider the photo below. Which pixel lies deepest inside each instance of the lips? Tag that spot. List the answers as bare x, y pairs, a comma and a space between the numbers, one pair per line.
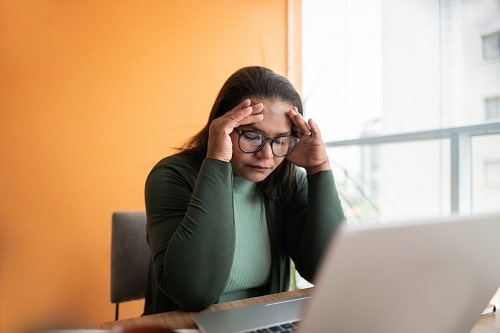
259, 167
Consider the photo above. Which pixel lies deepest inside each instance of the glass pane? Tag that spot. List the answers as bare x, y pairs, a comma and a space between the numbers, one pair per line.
385, 66
380, 67
393, 182
485, 174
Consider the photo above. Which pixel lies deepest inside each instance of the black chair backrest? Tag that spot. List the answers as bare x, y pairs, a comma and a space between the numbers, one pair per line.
129, 256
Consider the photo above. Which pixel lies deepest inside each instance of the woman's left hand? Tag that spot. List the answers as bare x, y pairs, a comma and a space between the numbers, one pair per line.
310, 152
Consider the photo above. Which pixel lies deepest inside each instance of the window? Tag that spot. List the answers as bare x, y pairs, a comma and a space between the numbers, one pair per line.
492, 108
491, 46
398, 89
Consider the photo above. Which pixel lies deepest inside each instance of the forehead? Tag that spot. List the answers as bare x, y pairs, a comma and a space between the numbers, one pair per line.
274, 107
276, 119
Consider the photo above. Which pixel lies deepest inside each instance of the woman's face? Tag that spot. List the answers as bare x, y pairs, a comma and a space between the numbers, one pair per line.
257, 166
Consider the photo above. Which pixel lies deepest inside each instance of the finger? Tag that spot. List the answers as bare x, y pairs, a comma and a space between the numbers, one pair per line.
246, 102
241, 108
239, 113
313, 127
246, 114
314, 131
257, 108
300, 125
256, 116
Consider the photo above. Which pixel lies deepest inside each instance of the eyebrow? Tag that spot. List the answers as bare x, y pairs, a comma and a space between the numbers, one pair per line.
255, 128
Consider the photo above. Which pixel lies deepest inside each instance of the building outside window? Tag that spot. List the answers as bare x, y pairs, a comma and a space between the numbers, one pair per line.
492, 108
491, 46
405, 70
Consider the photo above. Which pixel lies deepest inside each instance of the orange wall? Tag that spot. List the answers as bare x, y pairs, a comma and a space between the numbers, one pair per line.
92, 94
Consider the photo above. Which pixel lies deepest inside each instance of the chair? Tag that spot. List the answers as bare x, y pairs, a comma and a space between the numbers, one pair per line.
129, 257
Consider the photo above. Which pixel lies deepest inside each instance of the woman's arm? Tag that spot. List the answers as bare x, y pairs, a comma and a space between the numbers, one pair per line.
190, 223
191, 230
311, 220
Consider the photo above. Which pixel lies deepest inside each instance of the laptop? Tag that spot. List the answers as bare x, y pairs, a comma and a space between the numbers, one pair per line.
413, 277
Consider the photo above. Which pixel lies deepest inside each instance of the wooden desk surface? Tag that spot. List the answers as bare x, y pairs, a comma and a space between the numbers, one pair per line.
179, 320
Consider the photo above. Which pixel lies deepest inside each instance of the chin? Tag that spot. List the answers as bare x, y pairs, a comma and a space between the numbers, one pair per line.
256, 178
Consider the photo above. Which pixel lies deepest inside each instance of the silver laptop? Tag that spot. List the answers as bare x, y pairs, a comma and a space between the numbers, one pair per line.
421, 276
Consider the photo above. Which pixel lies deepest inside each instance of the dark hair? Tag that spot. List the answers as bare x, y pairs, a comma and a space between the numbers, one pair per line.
251, 82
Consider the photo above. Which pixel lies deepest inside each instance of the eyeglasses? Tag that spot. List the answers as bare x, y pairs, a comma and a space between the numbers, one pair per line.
253, 141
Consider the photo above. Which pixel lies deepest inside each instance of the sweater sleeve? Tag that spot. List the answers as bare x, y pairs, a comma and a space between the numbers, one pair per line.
311, 220
191, 231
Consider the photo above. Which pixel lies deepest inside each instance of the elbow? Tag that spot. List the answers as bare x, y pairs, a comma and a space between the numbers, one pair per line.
194, 299
188, 296
309, 264
192, 303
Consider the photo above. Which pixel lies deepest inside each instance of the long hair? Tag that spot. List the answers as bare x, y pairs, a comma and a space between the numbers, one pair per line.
251, 82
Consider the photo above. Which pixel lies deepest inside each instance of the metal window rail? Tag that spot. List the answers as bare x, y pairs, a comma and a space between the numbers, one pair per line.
460, 155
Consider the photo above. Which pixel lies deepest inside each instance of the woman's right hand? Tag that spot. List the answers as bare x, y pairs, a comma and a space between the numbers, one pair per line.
220, 146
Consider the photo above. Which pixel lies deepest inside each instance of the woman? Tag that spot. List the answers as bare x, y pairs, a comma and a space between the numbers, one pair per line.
252, 190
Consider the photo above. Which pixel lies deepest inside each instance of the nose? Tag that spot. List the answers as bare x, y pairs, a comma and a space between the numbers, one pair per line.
266, 151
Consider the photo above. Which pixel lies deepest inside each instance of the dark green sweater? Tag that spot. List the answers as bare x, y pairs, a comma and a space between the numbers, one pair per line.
191, 231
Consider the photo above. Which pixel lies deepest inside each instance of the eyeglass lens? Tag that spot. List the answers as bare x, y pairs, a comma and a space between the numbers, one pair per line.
251, 142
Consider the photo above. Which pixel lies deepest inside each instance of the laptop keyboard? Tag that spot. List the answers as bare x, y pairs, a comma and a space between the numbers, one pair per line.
284, 328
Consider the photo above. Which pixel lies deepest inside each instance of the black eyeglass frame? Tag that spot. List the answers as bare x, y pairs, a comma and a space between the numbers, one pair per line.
266, 139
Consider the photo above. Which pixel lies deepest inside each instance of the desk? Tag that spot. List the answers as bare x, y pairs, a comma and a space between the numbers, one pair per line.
179, 320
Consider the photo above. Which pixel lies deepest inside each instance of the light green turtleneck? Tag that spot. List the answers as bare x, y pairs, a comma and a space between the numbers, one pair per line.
252, 258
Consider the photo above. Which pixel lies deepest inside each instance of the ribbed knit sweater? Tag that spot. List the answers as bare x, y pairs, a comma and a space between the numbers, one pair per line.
252, 257
192, 231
